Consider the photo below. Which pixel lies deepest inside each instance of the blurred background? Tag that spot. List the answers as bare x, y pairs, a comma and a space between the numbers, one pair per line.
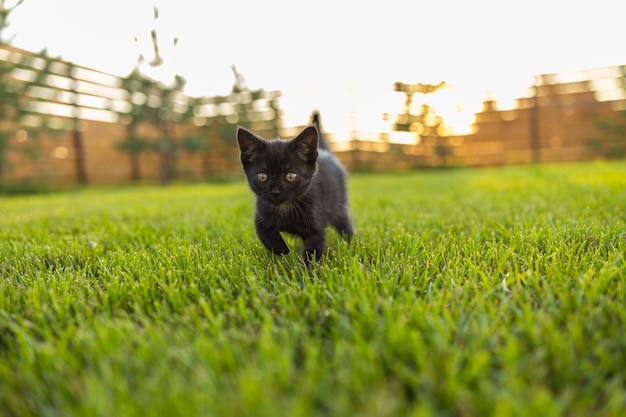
108, 92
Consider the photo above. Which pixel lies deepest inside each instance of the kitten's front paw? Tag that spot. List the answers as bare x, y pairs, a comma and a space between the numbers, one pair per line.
279, 251
273, 241
311, 255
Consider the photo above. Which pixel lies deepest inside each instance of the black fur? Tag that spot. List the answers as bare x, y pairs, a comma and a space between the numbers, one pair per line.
317, 197
316, 120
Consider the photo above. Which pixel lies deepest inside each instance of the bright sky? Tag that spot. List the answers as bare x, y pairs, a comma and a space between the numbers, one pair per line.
339, 56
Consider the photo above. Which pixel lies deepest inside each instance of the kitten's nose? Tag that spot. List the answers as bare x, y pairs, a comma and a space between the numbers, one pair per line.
275, 192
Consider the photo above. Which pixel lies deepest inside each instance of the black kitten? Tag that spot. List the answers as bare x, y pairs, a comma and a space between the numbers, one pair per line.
300, 188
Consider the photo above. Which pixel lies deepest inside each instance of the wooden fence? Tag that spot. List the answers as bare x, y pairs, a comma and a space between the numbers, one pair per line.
558, 123
73, 121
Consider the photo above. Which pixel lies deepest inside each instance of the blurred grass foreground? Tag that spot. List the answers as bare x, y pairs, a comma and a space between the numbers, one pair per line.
493, 292
62, 123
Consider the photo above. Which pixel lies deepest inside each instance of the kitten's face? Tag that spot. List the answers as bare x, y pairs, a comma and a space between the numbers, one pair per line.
279, 171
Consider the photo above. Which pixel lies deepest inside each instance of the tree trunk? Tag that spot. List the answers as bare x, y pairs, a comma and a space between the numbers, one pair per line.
79, 151
77, 135
535, 139
135, 168
135, 164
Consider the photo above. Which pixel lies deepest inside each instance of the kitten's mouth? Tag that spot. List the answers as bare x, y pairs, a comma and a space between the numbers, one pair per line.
278, 200
285, 208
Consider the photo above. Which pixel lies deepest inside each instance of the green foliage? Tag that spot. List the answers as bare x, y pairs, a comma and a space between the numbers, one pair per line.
471, 293
153, 103
6, 8
193, 144
22, 188
19, 101
612, 127
612, 139
135, 144
615, 132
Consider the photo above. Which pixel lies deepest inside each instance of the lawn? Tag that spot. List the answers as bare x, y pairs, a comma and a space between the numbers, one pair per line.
498, 291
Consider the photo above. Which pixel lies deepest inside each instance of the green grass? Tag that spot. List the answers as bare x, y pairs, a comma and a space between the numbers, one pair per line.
464, 293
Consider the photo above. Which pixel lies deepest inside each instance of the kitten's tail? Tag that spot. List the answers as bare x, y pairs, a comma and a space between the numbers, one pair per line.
316, 120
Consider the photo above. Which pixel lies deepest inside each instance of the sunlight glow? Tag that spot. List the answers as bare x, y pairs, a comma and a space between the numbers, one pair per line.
347, 69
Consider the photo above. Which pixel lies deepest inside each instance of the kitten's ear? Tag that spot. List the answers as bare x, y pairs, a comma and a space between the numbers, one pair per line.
305, 144
249, 145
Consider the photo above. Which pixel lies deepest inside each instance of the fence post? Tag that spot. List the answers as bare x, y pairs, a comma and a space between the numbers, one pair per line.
77, 134
535, 140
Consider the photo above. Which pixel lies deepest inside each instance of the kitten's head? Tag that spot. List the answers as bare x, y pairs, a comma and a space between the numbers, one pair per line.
279, 171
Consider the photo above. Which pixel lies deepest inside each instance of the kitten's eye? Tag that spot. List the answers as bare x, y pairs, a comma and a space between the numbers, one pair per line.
291, 176
261, 176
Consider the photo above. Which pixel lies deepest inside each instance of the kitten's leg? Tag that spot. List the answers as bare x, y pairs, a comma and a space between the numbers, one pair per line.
313, 246
272, 240
343, 223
